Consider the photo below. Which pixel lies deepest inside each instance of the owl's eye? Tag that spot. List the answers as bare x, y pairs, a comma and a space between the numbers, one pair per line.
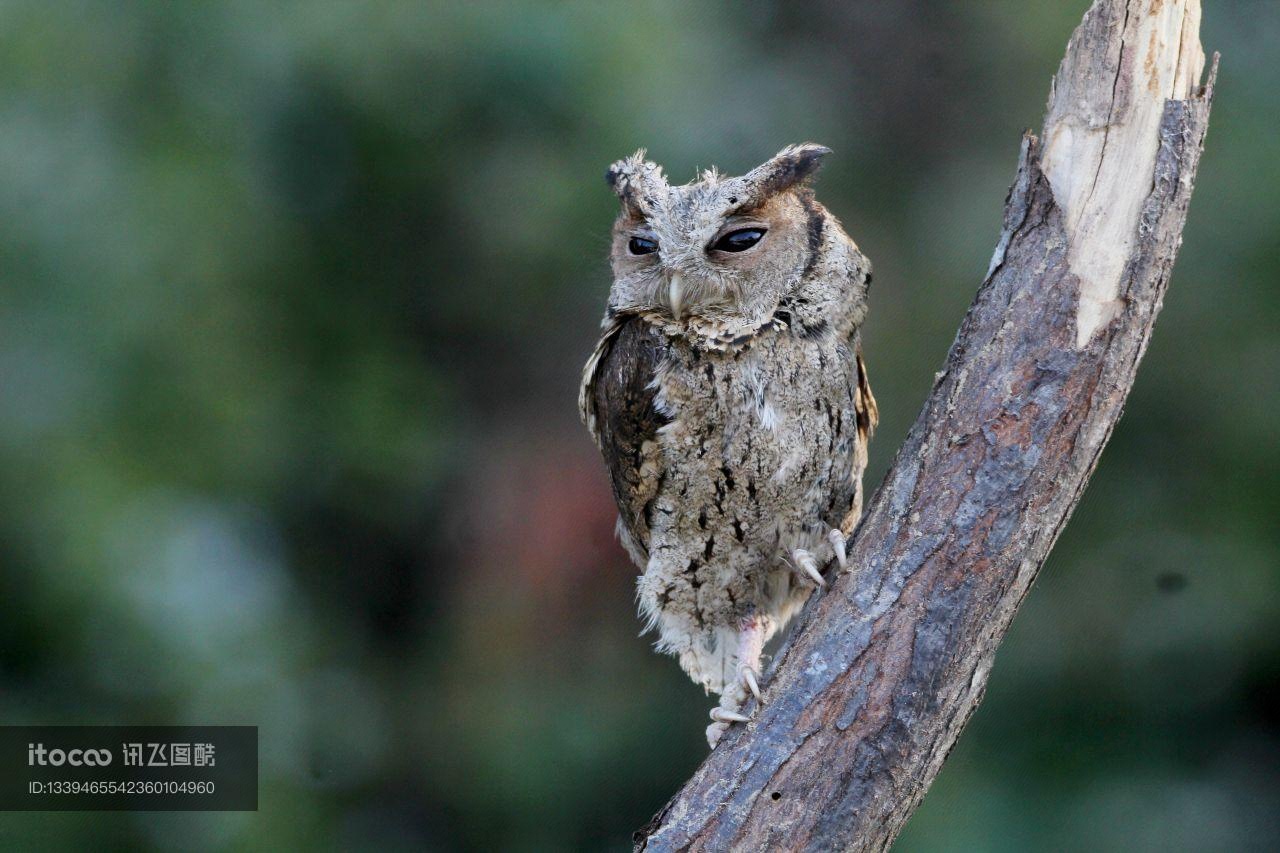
642, 246
740, 240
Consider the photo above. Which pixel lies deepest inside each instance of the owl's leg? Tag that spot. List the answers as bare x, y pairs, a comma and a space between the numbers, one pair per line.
751, 636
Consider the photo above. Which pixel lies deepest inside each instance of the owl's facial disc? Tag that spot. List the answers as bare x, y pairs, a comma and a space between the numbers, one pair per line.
717, 247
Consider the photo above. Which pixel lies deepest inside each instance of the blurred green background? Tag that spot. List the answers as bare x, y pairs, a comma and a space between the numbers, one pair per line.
295, 298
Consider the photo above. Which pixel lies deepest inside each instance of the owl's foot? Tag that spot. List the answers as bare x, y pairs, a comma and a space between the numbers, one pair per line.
807, 566
837, 539
723, 717
729, 711
751, 637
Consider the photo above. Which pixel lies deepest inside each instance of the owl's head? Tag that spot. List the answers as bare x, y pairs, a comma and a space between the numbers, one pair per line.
720, 247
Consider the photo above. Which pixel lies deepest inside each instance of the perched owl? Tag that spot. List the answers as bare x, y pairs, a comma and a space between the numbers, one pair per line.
729, 399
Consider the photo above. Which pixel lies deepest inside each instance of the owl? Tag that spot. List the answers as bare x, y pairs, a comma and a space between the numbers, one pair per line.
731, 404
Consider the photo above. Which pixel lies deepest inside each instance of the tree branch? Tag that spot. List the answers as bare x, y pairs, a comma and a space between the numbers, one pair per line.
869, 695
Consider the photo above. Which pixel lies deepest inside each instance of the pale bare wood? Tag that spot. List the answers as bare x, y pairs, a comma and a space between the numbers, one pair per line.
870, 694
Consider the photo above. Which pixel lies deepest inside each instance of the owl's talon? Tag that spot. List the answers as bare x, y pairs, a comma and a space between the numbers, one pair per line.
720, 715
749, 676
837, 540
809, 566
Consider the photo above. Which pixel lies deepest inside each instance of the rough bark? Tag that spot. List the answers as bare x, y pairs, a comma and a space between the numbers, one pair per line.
869, 695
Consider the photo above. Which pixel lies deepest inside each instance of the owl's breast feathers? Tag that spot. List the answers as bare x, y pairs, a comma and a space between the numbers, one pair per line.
791, 419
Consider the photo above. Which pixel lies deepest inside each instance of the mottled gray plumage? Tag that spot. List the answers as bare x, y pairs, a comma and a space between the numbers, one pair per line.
729, 399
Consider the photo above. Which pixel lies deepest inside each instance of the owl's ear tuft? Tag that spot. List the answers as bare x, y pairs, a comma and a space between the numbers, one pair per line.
791, 166
638, 182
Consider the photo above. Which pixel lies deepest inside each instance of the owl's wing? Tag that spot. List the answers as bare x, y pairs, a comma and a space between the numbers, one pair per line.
617, 404
586, 392
868, 415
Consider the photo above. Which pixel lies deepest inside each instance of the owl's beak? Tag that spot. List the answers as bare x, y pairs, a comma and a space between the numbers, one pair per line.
675, 295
